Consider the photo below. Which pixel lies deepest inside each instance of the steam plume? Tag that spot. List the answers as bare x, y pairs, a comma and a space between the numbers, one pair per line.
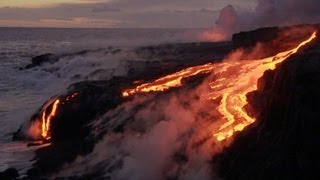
266, 13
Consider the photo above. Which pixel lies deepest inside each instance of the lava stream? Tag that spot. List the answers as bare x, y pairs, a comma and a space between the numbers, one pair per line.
46, 120
234, 79
170, 81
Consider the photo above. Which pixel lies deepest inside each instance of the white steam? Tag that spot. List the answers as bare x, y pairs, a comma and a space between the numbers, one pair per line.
267, 13
164, 137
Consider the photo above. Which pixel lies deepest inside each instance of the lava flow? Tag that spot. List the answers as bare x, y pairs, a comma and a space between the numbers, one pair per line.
46, 120
170, 81
233, 80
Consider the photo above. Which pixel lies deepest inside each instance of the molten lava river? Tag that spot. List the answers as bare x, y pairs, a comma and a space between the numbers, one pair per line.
233, 80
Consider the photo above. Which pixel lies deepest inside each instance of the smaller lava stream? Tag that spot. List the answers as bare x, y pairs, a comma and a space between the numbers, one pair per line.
46, 120
49, 112
233, 80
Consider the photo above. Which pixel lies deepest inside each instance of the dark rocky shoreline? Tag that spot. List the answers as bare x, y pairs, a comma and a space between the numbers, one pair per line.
236, 162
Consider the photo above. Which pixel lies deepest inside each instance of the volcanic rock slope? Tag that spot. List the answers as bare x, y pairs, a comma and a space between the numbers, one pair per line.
284, 142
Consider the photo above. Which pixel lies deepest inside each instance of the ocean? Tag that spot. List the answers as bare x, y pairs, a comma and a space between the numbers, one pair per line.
22, 92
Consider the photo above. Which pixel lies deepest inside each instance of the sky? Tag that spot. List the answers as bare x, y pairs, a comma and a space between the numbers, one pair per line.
116, 13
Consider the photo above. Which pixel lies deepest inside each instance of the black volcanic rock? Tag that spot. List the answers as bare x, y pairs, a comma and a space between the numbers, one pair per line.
251, 38
70, 128
267, 41
53, 58
284, 142
82, 102
41, 59
9, 174
94, 98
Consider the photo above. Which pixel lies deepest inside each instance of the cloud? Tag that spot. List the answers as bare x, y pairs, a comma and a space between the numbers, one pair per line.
105, 9
41, 3
132, 13
275, 12
225, 25
68, 23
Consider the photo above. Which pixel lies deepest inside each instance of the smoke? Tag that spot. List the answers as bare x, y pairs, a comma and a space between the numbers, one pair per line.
267, 13
164, 137
225, 25
167, 136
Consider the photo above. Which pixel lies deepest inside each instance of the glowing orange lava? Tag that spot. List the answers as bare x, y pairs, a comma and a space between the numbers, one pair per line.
234, 89
170, 81
46, 120
234, 79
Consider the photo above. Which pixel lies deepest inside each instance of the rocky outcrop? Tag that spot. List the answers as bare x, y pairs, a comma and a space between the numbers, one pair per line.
268, 41
53, 58
251, 38
9, 174
39, 60
284, 142
70, 127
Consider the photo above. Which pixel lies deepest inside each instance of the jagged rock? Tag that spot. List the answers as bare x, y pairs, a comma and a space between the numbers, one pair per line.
53, 58
41, 59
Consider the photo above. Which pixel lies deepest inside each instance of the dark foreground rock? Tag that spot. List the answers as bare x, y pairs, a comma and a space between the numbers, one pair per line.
9, 174
284, 142
70, 127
